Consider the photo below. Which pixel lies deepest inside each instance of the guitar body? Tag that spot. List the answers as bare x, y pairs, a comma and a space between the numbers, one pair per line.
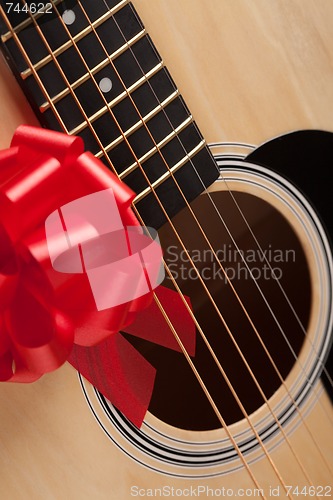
249, 72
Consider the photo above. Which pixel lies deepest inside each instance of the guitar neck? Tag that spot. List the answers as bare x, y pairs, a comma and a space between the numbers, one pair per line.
90, 69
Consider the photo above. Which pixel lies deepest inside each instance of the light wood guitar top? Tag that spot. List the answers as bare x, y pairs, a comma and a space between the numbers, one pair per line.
249, 70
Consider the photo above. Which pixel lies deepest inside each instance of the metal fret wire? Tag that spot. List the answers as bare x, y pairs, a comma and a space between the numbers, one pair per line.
94, 70
27, 22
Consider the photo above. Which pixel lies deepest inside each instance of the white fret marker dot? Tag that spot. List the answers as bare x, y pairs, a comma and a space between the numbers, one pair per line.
105, 85
68, 17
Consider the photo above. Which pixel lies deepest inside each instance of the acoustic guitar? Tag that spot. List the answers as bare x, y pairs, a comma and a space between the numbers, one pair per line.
241, 199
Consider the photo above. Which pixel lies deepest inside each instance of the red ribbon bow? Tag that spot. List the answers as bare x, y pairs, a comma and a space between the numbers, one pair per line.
49, 317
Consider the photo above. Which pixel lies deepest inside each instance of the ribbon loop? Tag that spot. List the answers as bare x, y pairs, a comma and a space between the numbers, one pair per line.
33, 142
70, 284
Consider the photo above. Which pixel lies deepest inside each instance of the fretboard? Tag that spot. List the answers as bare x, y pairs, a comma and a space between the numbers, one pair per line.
90, 69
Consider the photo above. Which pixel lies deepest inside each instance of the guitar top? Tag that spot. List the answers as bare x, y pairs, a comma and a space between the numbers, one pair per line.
219, 116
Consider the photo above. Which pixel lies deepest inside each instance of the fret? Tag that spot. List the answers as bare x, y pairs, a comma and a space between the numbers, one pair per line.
94, 8
32, 44
124, 26
52, 29
16, 19
159, 126
131, 64
141, 143
162, 84
71, 64
106, 129
173, 136
108, 132
162, 105
21, 20
69, 112
153, 91
105, 63
171, 171
169, 196
176, 111
51, 79
149, 153
120, 156
185, 139
119, 98
153, 168
137, 181
157, 113
144, 98
76, 38
173, 115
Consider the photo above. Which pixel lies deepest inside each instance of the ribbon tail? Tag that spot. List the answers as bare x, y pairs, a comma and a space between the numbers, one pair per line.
119, 372
151, 325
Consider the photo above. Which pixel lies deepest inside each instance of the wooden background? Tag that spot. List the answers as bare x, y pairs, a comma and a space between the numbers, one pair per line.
249, 70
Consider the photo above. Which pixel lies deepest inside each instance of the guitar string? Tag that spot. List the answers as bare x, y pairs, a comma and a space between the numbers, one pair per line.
264, 256
321, 363
87, 68
324, 369
219, 416
89, 71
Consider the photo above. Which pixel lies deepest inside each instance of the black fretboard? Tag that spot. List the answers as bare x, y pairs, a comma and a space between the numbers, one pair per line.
120, 98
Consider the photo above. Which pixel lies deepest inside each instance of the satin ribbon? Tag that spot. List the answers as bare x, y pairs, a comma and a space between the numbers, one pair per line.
49, 317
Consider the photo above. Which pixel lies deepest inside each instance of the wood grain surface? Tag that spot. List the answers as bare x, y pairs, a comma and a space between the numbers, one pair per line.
249, 70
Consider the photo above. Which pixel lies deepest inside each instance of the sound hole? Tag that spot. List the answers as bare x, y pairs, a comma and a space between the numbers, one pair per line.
178, 398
